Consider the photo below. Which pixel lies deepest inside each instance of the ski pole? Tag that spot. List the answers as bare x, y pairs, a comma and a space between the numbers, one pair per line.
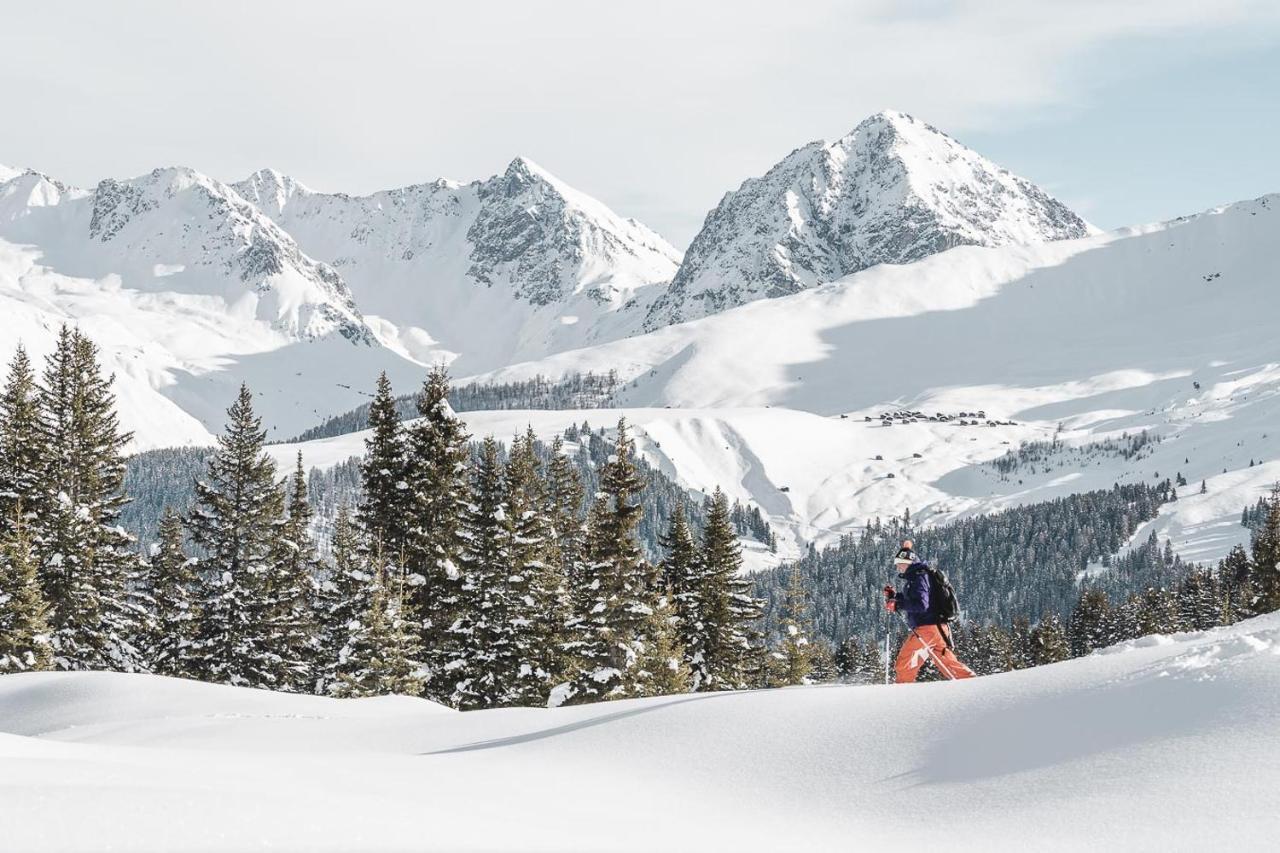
928, 648
887, 629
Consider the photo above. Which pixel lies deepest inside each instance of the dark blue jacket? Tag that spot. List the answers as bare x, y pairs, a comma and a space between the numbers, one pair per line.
912, 600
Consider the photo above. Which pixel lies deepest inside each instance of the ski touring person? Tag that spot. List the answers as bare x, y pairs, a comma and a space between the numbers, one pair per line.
926, 605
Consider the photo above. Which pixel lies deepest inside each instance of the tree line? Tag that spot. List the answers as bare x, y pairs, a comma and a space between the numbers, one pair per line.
1176, 597
476, 580
573, 391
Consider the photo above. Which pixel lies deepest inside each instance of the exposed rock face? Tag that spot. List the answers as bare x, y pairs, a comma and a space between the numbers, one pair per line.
895, 190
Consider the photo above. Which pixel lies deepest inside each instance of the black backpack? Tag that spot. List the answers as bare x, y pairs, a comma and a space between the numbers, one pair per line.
941, 591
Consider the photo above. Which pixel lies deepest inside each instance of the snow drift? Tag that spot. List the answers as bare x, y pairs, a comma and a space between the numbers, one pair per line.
1157, 744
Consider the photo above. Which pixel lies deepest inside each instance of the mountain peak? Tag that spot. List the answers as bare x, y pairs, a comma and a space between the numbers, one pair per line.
522, 165
894, 190
887, 118
269, 189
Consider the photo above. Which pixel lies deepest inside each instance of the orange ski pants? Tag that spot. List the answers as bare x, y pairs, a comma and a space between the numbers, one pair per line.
924, 644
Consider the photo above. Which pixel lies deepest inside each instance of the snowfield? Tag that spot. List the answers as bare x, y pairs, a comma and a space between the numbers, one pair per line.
1168, 328
1165, 743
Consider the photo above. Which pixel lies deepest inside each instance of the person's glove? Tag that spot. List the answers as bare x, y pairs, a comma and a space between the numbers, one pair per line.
889, 593
891, 606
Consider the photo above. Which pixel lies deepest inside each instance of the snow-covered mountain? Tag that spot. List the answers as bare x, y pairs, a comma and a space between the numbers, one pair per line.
895, 190
1168, 328
175, 230
189, 290
513, 267
1162, 743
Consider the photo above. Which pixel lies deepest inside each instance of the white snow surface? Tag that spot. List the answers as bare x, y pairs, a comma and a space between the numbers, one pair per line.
1165, 743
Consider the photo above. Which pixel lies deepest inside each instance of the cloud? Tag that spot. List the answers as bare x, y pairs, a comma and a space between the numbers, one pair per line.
657, 108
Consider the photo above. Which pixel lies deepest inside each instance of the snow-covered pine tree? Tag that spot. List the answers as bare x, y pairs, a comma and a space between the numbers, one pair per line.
236, 521
1091, 623
1265, 549
483, 671
384, 511
822, 663
564, 509
174, 596
616, 618
85, 557
663, 659
384, 653
436, 474
989, 650
537, 614
1236, 575
1158, 613
292, 587
682, 578
24, 626
859, 661
20, 455
342, 597
727, 608
1199, 599
1049, 641
564, 499
1021, 653
795, 652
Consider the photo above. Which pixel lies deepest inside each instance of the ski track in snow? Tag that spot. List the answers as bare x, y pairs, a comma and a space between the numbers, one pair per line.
1156, 744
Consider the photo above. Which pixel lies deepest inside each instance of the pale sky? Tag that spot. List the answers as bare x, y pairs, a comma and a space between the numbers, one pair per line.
1128, 111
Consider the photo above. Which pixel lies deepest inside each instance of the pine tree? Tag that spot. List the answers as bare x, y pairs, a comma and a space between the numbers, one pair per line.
564, 495
564, 499
383, 655
236, 521
859, 661
822, 663
1049, 641
538, 599
1236, 575
662, 660
682, 578
796, 651
1158, 612
291, 585
482, 673
990, 650
343, 597
24, 627
173, 586
726, 606
384, 511
85, 557
616, 618
20, 449
1091, 623
1266, 556
1199, 601
1020, 652
438, 494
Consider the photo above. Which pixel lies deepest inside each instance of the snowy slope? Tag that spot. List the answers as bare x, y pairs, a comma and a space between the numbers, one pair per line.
188, 290
1094, 337
505, 269
1166, 743
894, 190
